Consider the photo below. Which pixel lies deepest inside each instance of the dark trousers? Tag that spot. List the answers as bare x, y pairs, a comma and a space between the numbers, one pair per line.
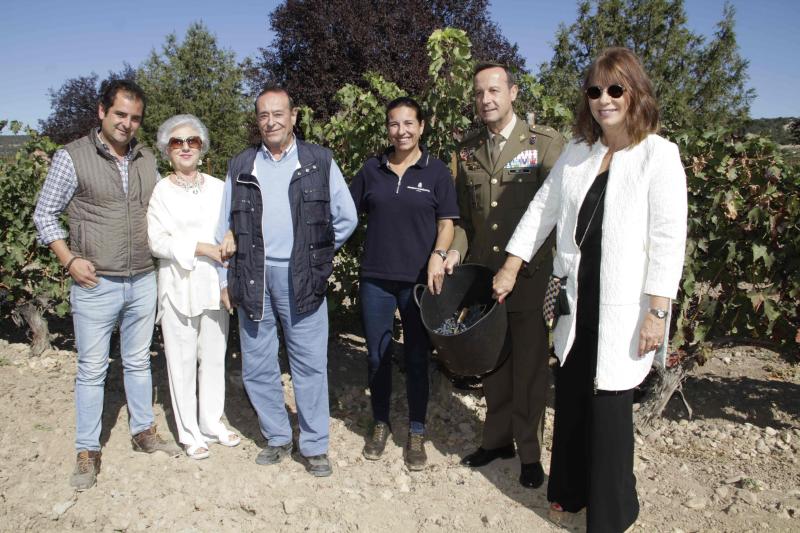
517, 391
592, 461
379, 300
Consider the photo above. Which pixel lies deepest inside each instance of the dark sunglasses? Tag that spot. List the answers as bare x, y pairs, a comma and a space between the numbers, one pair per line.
194, 142
614, 91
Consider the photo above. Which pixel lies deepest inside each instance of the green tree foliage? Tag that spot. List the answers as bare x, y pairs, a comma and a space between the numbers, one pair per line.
31, 278
323, 45
196, 76
548, 108
794, 131
697, 82
778, 129
743, 251
73, 107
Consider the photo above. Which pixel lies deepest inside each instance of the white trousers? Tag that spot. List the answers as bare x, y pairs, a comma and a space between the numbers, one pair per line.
188, 341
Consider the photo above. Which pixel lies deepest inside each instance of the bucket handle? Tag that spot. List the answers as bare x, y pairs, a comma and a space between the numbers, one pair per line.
417, 293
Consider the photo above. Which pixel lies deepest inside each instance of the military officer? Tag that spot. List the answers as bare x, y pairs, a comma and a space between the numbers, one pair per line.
499, 169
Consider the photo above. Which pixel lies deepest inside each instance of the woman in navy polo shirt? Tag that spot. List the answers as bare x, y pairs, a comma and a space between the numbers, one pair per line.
410, 203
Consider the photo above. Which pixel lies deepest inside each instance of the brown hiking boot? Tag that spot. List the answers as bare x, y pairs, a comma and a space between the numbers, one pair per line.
87, 466
376, 442
415, 452
149, 441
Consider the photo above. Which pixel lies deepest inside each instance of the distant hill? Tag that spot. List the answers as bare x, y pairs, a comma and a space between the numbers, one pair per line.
9, 144
775, 128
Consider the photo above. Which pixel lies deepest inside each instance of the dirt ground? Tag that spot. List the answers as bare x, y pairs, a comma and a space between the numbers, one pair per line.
732, 467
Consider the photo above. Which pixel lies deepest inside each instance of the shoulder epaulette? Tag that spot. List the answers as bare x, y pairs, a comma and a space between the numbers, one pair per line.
540, 129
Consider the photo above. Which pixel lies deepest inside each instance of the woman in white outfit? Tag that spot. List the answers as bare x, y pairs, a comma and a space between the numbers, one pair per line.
181, 219
617, 200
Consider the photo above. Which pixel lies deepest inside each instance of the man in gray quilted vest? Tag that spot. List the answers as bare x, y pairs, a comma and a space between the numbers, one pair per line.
103, 182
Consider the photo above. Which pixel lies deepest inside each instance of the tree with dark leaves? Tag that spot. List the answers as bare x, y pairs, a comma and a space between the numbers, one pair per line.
74, 106
321, 45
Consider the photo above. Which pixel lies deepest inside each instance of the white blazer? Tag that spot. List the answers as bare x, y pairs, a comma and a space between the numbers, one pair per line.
643, 245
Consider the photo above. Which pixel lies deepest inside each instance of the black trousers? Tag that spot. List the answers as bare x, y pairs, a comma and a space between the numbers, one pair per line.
592, 461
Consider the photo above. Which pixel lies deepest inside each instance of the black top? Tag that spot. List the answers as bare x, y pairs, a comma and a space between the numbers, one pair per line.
402, 215
589, 269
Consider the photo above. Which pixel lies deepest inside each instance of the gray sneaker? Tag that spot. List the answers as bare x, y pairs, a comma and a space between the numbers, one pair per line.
87, 465
319, 465
376, 442
415, 452
272, 455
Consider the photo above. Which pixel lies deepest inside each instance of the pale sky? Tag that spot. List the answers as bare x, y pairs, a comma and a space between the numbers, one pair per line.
45, 42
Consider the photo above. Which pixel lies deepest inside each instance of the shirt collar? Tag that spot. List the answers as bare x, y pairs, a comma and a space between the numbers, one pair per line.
506, 132
289, 149
422, 162
128, 154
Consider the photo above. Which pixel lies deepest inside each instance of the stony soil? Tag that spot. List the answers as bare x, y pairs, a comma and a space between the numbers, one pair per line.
732, 467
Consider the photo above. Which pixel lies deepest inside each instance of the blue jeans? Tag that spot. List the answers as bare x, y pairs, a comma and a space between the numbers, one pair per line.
131, 301
306, 337
379, 300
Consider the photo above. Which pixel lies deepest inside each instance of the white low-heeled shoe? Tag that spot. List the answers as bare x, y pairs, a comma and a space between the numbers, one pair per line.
196, 452
230, 439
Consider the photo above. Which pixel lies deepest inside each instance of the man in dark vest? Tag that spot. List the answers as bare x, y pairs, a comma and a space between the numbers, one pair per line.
500, 168
103, 181
288, 206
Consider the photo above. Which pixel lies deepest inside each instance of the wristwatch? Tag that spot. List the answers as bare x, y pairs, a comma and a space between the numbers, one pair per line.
440, 253
661, 314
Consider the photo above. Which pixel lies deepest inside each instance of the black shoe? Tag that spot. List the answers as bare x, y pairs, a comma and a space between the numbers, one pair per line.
531, 475
482, 456
274, 454
466, 383
319, 465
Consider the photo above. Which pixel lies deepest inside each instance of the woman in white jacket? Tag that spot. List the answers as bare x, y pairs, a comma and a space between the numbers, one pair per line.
617, 198
181, 220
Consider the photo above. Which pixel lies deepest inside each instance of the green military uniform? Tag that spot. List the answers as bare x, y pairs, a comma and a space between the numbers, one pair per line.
492, 199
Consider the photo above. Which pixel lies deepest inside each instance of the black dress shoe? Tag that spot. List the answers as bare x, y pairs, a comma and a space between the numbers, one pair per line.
466, 383
531, 475
482, 456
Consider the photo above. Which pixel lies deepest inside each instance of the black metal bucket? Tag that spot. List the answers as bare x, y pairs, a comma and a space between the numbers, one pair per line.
479, 349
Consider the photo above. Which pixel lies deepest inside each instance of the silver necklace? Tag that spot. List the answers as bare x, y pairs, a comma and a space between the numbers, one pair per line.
192, 186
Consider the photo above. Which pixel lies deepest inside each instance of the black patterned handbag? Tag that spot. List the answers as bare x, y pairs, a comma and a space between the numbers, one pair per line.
555, 301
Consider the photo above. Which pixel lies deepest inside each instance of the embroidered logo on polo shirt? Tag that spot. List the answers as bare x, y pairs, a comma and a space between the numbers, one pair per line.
418, 188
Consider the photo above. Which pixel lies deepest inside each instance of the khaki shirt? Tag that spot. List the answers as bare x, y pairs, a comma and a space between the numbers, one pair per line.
492, 199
